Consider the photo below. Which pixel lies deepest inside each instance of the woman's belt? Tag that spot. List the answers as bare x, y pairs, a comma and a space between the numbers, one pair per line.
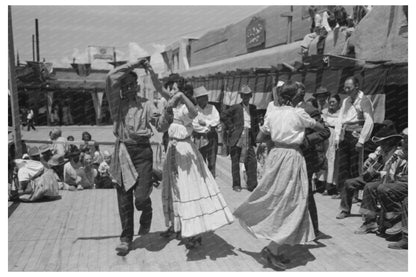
353, 126
288, 146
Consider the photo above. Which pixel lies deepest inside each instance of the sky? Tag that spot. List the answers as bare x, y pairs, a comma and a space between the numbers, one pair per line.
135, 31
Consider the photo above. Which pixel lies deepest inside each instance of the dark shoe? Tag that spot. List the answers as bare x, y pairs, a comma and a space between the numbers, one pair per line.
250, 189
369, 227
123, 248
396, 229
342, 215
395, 237
401, 244
272, 260
237, 189
144, 229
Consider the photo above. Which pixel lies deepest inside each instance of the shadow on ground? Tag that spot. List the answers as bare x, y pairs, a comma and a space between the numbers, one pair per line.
299, 255
213, 247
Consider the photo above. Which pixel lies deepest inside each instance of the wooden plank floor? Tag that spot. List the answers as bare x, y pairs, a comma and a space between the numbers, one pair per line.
80, 231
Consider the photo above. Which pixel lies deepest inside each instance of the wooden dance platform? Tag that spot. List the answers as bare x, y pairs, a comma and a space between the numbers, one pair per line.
80, 231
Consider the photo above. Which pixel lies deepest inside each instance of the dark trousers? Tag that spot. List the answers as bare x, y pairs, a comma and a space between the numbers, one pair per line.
370, 198
313, 212
30, 124
391, 196
209, 151
348, 158
142, 157
348, 190
250, 164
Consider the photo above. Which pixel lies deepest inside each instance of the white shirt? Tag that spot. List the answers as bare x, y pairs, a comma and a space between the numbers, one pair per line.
247, 119
30, 114
211, 117
286, 125
360, 110
330, 118
270, 107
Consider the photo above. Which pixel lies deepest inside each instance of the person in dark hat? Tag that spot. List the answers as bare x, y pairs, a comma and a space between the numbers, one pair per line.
377, 162
205, 124
241, 127
392, 194
322, 96
313, 149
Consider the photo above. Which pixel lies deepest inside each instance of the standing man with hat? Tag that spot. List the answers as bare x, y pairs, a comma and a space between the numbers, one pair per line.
132, 161
374, 170
205, 134
353, 129
321, 95
241, 126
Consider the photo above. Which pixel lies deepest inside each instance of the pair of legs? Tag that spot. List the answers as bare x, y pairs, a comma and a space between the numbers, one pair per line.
30, 124
209, 151
250, 164
348, 190
391, 196
142, 157
313, 212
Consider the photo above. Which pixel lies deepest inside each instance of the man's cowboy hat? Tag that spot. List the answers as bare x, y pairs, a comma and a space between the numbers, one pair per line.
33, 151
200, 91
57, 159
321, 91
385, 133
245, 90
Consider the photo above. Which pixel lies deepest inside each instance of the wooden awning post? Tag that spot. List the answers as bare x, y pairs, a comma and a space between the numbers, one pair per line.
289, 16
13, 93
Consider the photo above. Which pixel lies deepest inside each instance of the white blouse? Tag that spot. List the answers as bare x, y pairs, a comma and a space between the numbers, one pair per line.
286, 125
181, 126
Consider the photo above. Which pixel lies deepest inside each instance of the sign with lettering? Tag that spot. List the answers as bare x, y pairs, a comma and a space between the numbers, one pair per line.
255, 33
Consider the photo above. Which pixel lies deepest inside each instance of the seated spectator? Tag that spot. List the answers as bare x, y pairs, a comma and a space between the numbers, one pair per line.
34, 153
71, 169
89, 145
45, 154
35, 182
59, 143
394, 165
88, 181
394, 190
387, 138
104, 179
320, 28
70, 138
56, 163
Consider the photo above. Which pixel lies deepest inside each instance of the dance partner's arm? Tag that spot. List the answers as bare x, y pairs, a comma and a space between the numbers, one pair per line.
156, 82
193, 112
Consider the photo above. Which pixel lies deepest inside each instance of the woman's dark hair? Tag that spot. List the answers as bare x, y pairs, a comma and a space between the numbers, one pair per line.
188, 90
288, 93
341, 15
70, 138
175, 78
336, 96
86, 136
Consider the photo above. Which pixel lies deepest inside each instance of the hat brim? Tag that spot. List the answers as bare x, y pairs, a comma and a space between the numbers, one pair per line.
203, 94
381, 139
58, 164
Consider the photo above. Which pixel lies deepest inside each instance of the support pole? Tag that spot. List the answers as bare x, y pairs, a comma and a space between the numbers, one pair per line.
37, 40
14, 99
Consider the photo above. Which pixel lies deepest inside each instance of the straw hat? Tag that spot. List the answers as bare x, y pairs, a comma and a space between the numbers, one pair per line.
200, 91
245, 90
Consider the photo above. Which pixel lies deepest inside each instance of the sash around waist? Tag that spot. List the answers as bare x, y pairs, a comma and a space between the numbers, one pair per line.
287, 146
